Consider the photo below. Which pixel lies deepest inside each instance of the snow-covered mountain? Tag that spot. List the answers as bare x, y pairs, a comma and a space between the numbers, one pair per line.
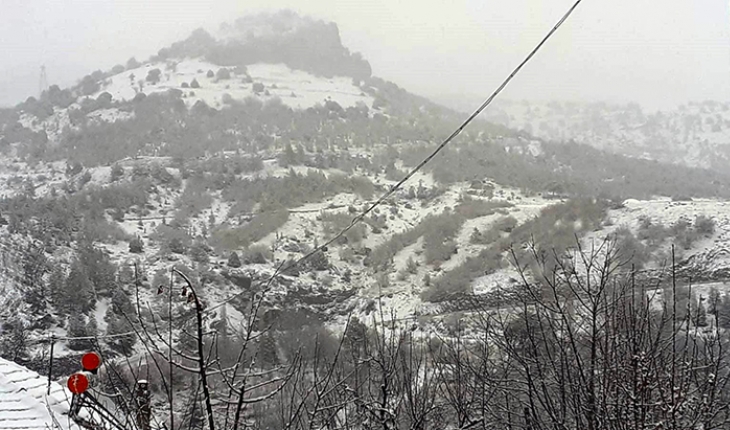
227, 155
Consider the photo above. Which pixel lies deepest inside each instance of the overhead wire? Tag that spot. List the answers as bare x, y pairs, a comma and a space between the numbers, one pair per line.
359, 218
51, 339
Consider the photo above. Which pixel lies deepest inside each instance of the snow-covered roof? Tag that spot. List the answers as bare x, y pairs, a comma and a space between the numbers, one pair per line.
25, 403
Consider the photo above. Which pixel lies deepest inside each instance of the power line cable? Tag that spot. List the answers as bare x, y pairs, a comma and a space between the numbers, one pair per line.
425, 161
388, 193
66, 338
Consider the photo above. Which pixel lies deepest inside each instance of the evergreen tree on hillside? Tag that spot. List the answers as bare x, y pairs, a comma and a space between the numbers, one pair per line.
136, 246
117, 325
77, 328
153, 76
99, 269
118, 317
356, 335
14, 342
234, 261
78, 292
35, 266
194, 416
268, 354
92, 329
56, 286
132, 63
125, 275
288, 157
121, 305
117, 173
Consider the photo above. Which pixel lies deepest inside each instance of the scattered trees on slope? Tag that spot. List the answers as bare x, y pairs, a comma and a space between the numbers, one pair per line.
438, 232
576, 349
590, 173
550, 235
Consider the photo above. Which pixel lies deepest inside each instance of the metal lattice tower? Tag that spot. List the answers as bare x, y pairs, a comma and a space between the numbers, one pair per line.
43, 81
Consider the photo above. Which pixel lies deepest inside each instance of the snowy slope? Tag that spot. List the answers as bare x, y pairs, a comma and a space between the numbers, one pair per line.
697, 134
304, 228
295, 88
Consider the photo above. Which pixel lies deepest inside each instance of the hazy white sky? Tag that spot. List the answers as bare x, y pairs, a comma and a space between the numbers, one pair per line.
658, 53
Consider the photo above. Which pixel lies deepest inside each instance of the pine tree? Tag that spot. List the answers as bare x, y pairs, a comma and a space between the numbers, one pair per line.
56, 283
92, 330
234, 261
118, 214
34, 266
125, 275
288, 157
78, 295
475, 236
268, 354
194, 416
426, 280
117, 173
121, 306
136, 246
117, 325
186, 340
228, 352
77, 328
301, 155
356, 335
14, 342
118, 317
99, 269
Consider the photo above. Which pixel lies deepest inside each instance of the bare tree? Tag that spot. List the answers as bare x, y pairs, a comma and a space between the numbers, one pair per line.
583, 343
590, 347
225, 388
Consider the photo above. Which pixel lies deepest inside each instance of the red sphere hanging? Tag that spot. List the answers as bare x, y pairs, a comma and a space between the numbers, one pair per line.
90, 361
78, 383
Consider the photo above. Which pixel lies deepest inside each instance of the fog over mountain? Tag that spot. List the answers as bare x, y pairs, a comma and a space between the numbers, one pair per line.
659, 55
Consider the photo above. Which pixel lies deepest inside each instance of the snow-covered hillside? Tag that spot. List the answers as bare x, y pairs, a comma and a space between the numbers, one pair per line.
295, 88
98, 179
697, 134
192, 78
399, 287
236, 165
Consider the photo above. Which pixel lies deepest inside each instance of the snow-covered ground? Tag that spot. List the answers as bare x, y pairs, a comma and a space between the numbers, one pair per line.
302, 90
295, 88
696, 134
